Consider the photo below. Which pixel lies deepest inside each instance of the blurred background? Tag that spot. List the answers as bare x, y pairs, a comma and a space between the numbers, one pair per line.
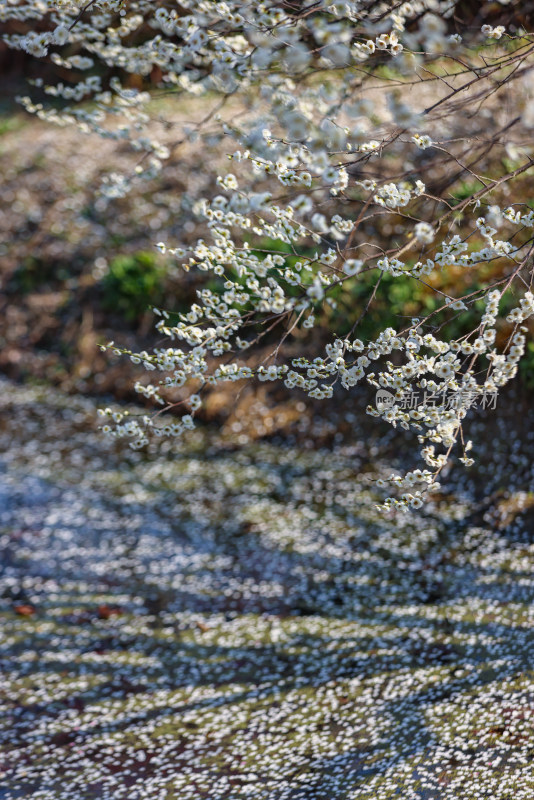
77, 270
229, 615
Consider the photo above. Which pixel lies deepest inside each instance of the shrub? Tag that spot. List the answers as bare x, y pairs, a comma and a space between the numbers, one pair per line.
132, 284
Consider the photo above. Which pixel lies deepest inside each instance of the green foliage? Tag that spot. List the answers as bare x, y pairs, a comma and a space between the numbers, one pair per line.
465, 189
11, 124
133, 283
526, 366
394, 305
34, 274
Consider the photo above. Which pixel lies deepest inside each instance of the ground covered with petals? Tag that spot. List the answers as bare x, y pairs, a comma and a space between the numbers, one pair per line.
228, 623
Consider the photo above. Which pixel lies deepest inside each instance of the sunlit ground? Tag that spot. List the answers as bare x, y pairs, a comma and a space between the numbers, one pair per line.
242, 623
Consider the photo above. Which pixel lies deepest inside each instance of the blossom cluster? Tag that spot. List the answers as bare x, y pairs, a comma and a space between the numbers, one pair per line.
342, 172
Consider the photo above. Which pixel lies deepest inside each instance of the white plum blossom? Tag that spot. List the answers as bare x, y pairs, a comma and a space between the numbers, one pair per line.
352, 266
424, 232
350, 130
493, 33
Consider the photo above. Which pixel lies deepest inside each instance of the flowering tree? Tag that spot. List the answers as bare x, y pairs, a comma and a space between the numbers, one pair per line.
382, 145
